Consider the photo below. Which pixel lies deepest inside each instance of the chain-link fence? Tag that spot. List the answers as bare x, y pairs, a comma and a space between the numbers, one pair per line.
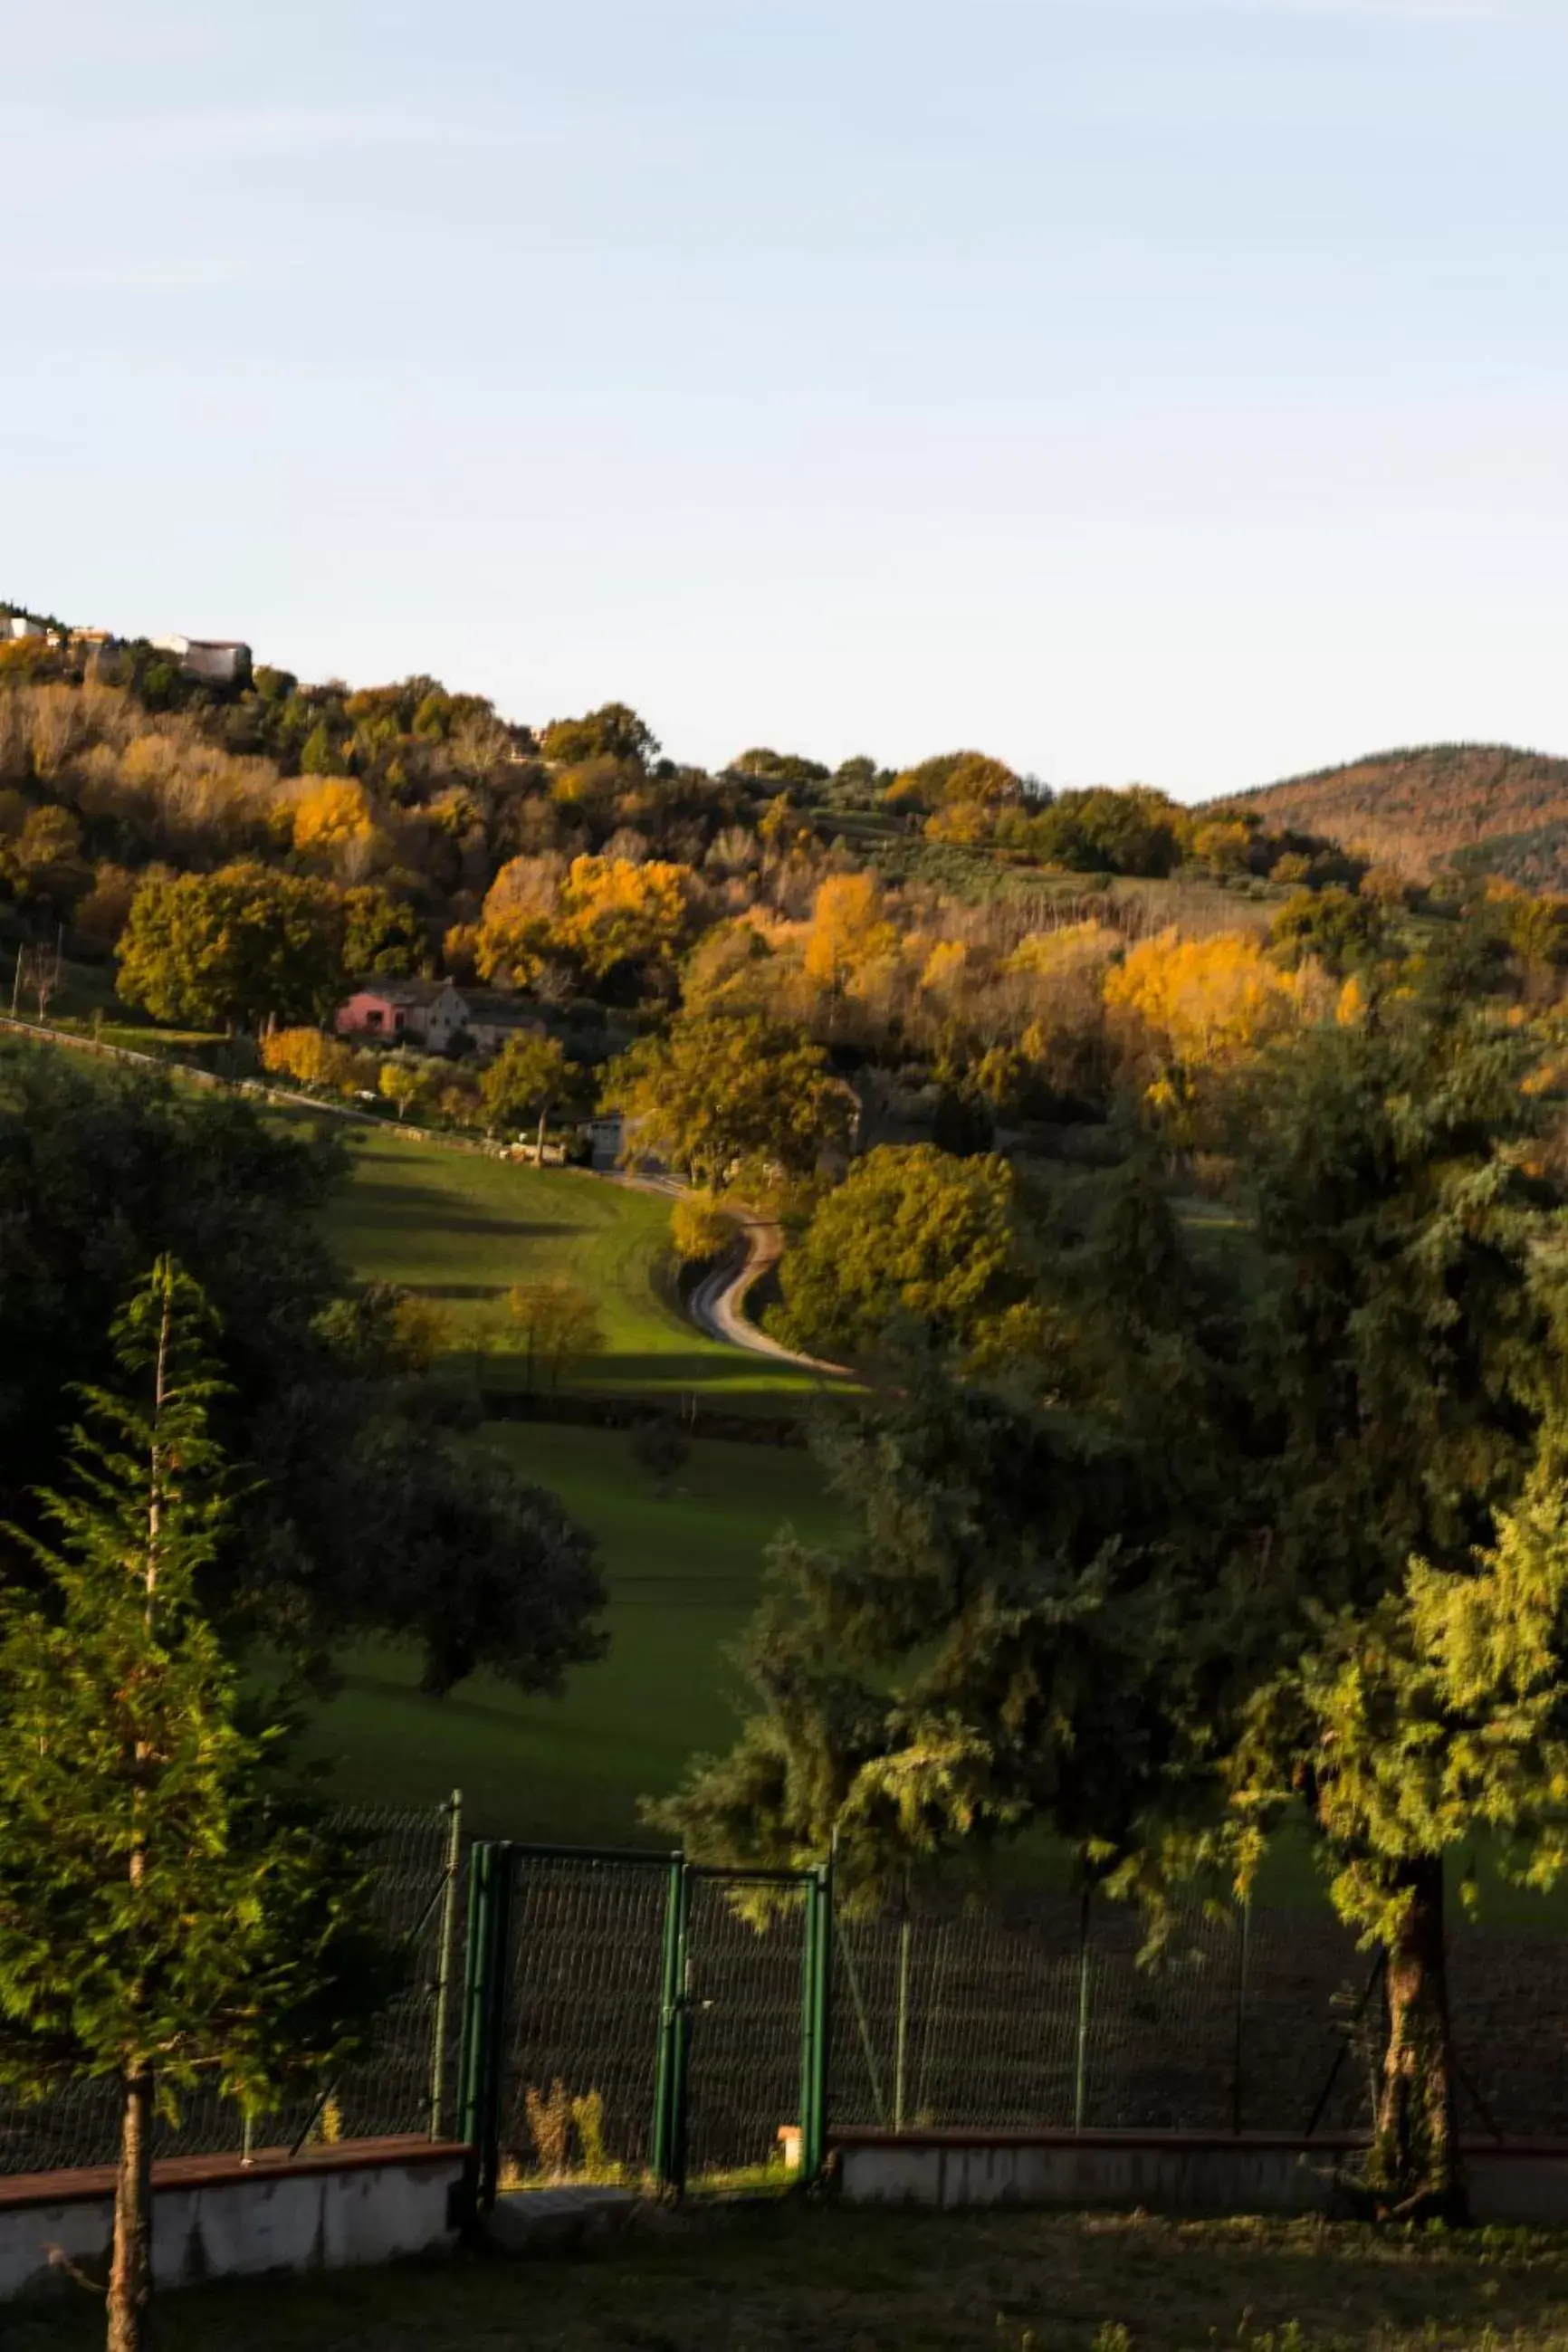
405, 2083
658, 2020
630, 2016
1043, 2015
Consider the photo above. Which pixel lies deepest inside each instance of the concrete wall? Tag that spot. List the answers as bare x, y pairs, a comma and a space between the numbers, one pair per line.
1172, 2173
215, 2219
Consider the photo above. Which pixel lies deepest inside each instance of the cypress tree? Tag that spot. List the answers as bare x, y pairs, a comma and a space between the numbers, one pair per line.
171, 1913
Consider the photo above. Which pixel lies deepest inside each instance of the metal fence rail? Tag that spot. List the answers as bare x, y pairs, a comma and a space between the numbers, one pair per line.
632, 2017
404, 2085
639, 2018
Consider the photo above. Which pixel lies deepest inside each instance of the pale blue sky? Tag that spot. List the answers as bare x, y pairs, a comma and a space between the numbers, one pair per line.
1170, 389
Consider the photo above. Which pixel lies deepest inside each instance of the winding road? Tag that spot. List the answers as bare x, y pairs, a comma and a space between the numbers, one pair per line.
718, 1299
717, 1304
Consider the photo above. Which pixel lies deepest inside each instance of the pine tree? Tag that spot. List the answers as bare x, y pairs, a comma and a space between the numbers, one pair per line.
1007, 1639
170, 1912
1408, 1382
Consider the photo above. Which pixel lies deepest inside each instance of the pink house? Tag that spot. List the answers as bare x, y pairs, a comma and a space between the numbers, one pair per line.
427, 1012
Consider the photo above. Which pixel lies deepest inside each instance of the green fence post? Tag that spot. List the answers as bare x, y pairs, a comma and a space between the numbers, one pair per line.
476, 1964
674, 2038
444, 1963
1081, 2065
484, 2011
816, 1978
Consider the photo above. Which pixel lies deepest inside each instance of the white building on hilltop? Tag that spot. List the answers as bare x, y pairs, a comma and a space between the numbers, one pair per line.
221, 660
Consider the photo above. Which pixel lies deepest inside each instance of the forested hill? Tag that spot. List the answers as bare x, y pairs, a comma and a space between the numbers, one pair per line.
1474, 804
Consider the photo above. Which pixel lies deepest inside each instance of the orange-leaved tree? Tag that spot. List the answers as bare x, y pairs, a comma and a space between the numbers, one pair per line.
614, 911
849, 932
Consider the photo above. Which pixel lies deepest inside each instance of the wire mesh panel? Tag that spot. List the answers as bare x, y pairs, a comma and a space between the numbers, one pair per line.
390, 2090
1163, 2034
1509, 1994
403, 2083
1041, 2015
744, 1988
1313, 2010
583, 2004
955, 2020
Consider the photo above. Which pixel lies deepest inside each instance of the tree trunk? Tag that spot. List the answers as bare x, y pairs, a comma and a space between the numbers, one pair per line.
539, 1147
1414, 2171
131, 2276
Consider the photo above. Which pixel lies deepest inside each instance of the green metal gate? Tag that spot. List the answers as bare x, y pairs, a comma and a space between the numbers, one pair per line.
632, 2017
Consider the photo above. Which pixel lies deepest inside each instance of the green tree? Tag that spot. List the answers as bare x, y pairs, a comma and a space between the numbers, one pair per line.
1408, 1369
486, 1569
409, 1081
1433, 1717
169, 1914
230, 947
993, 1648
1138, 831
349, 1442
717, 1091
319, 754
780, 767
381, 934
44, 861
529, 1075
1344, 930
613, 731
912, 1234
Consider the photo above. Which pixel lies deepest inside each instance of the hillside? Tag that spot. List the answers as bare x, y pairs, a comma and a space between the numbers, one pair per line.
1473, 805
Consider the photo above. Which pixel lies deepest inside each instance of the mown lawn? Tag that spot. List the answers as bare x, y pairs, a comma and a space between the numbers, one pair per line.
793, 2279
460, 1230
683, 1570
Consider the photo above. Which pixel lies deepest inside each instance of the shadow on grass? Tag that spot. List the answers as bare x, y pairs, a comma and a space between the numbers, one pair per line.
719, 1367
379, 1202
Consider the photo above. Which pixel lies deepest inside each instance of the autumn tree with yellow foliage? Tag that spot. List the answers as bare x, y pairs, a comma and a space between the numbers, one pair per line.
513, 933
614, 912
310, 1057
331, 816
718, 1094
849, 932
1188, 1009
698, 1228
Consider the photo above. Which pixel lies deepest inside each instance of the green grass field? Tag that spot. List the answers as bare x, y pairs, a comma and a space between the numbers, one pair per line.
796, 2278
682, 1572
461, 1229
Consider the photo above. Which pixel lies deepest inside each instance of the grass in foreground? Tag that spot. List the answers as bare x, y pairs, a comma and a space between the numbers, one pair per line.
683, 1570
462, 1230
793, 2279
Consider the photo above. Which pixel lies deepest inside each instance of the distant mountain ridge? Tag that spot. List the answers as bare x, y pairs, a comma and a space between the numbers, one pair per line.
1481, 806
